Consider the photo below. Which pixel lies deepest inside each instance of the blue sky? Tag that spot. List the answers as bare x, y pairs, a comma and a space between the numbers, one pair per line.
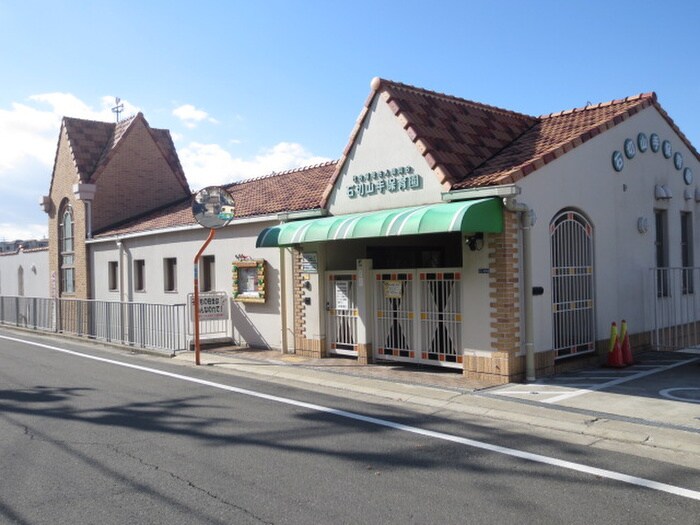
251, 87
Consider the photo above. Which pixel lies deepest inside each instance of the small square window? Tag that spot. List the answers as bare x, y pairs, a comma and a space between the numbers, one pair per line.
139, 275
170, 274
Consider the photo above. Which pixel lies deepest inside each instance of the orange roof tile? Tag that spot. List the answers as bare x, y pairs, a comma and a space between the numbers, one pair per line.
294, 190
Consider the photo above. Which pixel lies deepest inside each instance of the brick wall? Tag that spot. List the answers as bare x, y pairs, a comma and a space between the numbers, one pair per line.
136, 180
65, 175
504, 364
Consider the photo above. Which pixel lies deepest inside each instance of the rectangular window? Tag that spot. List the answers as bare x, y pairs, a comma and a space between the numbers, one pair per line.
139, 275
661, 245
113, 276
687, 251
170, 274
207, 281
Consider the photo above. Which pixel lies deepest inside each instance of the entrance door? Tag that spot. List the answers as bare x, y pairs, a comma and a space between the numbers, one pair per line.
341, 301
394, 314
441, 317
573, 320
418, 316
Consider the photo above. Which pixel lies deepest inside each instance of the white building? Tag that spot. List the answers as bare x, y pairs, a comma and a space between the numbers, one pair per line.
449, 233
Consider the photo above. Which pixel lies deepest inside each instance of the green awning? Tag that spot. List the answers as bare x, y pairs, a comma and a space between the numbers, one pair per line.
482, 215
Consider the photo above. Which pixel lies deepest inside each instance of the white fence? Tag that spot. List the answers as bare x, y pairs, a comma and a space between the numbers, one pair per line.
142, 325
676, 308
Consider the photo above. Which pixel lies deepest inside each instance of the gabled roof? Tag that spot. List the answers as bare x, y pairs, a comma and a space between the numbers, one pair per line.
468, 144
93, 144
294, 190
551, 137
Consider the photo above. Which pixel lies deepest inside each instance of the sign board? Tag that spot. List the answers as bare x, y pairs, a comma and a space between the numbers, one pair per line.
393, 289
212, 306
309, 262
213, 207
342, 296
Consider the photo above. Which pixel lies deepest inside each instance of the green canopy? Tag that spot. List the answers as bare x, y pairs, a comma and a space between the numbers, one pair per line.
482, 215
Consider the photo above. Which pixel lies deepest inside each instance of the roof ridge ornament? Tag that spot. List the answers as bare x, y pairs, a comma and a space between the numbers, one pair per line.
118, 108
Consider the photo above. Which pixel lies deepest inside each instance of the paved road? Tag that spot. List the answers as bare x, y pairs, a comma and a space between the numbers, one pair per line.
89, 441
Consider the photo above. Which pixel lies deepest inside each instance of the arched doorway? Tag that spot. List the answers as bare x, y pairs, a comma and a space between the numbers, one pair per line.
573, 314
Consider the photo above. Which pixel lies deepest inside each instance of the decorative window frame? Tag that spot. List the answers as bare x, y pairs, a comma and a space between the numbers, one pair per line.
247, 296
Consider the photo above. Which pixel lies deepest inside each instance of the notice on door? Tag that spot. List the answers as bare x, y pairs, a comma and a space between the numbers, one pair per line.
342, 298
393, 289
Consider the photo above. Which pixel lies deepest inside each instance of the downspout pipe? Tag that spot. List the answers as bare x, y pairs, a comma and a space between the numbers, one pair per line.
527, 221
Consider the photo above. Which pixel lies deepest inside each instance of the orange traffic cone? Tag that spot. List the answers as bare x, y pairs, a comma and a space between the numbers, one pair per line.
614, 350
627, 357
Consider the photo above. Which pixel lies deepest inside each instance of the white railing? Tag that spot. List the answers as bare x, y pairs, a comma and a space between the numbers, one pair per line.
676, 308
141, 325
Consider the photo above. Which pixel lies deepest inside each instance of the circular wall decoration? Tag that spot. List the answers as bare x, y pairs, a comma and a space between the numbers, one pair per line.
642, 142
618, 161
666, 149
654, 142
688, 176
630, 149
678, 160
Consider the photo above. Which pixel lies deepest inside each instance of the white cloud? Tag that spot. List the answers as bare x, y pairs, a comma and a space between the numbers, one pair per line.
212, 165
12, 232
29, 135
191, 116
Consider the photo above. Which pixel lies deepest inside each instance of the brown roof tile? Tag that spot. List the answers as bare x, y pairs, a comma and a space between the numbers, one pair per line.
94, 144
87, 139
468, 144
294, 190
453, 134
551, 137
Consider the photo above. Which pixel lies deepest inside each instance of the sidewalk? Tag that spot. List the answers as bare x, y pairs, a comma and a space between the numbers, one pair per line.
449, 394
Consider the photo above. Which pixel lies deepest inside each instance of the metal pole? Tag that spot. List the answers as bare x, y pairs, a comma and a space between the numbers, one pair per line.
196, 295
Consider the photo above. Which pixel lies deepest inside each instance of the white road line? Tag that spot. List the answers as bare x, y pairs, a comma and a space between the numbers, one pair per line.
528, 456
525, 392
618, 381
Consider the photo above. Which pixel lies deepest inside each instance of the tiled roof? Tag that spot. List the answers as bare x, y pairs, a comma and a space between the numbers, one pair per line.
468, 144
87, 139
454, 135
94, 144
551, 137
294, 190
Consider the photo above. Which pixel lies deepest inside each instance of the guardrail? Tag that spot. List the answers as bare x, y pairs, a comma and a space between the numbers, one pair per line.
142, 325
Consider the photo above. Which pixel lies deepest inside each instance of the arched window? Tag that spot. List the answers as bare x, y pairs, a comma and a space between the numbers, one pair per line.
573, 316
66, 250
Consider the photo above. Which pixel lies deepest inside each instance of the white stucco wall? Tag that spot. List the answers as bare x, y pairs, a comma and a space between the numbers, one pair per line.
35, 265
255, 324
381, 145
584, 179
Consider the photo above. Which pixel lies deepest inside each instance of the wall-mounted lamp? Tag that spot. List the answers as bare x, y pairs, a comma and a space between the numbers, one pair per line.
662, 192
642, 225
475, 242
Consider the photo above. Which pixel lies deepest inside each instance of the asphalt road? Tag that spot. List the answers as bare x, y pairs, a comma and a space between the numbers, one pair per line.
86, 441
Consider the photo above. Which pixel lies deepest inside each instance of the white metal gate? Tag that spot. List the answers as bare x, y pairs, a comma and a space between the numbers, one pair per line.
341, 296
394, 314
675, 307
441, 317
573, 320
418, 316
